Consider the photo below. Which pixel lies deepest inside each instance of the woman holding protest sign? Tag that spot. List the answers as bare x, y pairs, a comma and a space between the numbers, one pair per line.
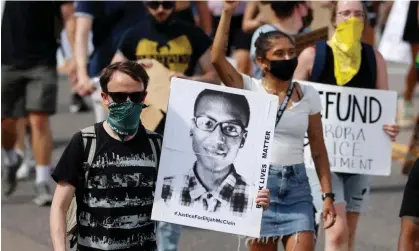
290, 216
347, 62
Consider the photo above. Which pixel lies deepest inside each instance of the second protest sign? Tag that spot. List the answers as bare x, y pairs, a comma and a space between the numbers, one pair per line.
353, 120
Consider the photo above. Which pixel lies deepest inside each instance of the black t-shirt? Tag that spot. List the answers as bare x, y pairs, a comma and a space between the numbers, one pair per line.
363, 79
410, 204
28, 33
178, 47
114, 210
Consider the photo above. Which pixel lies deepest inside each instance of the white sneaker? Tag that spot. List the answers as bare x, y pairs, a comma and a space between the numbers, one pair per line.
405, 113
24, 171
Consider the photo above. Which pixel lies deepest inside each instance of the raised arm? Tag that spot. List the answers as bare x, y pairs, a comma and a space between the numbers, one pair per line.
227, 73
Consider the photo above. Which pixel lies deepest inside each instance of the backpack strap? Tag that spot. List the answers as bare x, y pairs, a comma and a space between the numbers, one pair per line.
371, 60
89, 143
319, 61
155, 144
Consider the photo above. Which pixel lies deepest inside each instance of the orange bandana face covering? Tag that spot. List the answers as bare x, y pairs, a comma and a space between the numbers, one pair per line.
346, 47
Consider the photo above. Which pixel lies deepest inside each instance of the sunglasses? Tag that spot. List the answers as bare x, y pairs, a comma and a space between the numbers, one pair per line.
121, 97
156, 4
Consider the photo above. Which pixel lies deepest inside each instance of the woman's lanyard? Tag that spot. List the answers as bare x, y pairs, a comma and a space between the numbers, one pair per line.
284, 104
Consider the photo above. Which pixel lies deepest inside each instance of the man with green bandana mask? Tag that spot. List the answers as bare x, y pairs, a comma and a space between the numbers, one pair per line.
123, 117
114, 193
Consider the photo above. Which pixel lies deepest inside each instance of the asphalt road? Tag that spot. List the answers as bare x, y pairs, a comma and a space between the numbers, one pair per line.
26, 227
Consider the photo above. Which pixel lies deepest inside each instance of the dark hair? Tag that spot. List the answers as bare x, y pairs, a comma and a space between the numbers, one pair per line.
265, 41
238, 101
334, 8
131, 68
284, 9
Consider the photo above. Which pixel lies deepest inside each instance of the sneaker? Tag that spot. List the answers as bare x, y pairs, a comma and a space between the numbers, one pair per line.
25, 170
405, 113
9, 174
44, 196
77, 104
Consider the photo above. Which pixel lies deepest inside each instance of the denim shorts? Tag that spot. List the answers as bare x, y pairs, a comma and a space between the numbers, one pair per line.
351, 189
291, 205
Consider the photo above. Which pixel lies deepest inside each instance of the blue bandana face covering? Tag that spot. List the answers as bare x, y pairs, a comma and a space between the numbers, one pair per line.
124, 118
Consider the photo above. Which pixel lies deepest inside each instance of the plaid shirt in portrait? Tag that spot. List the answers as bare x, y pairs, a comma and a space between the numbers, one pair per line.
232, 193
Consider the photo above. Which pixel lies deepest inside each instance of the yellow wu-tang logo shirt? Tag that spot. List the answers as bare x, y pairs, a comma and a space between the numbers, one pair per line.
175, 54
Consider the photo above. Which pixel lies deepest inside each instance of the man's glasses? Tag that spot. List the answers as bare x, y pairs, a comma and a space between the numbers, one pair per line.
121, 97
229, 129
156, 4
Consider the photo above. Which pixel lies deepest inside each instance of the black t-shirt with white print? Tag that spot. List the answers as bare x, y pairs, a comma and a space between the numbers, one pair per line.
114, 210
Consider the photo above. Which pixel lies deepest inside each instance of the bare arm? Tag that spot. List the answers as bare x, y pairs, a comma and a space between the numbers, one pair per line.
59, 207
228, 75
382, 77
409, 233
67, 12
318, 151
210, 75
205, 18
305, 64
250, 17
69, 20
83, 28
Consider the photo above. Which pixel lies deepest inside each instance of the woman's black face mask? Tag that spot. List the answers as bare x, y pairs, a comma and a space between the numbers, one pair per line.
283, 69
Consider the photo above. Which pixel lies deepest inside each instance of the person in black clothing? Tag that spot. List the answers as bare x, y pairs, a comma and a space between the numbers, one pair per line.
409, 212
29, 84
115, 198
177, 45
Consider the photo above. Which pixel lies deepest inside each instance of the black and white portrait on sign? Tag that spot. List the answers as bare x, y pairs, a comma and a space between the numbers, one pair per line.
210, 169
218, 132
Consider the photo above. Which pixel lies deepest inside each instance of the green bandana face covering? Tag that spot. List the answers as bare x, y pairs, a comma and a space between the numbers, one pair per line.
124, 118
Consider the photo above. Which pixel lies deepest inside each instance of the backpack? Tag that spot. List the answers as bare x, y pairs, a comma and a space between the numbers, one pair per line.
89, 144
320, 61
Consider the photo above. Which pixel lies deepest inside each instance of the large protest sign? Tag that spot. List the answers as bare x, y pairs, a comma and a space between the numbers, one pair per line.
353, 120
392, 46
215, 157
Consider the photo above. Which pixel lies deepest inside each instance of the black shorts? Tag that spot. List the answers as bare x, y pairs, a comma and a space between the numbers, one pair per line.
29, 90
237, 38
